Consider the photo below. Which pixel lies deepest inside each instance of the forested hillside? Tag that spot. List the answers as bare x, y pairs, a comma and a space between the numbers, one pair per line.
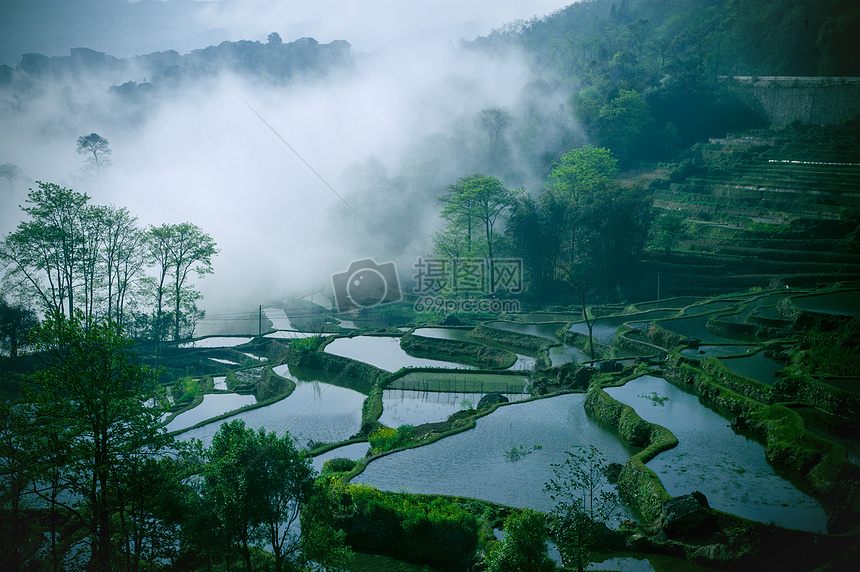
672, 55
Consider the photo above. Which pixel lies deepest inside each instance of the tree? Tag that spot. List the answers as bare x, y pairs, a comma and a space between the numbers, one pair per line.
93, 402
605, 226
10, 172
177, 250
580, 170
583, 505
495, 121
473, 205
16, 323
122, 254
97, 150
669, 230
275, 39
43, 256
524, 547
258, 484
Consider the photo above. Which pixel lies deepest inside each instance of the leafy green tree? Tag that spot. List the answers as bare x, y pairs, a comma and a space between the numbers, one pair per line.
621, 122
176, 250
580, 170
669, 230
583, 503
92, 402
258, 485
96, 148
471, 208
42, 256
122, 254
16, 323
524, 547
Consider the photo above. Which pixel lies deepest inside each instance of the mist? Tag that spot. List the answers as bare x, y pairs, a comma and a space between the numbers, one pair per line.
210, 151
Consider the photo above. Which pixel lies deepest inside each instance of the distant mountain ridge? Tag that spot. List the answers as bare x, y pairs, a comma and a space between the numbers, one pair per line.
274, 60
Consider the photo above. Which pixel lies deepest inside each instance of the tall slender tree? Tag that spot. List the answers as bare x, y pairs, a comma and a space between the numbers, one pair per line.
95, 398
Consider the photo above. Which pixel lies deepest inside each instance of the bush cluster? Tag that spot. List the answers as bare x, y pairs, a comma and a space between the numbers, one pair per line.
386, 438
436, 531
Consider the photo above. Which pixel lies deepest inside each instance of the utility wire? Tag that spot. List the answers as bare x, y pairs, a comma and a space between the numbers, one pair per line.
302, 159
565, 150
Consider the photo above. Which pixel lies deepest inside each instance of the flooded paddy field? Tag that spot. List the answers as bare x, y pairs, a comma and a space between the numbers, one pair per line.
728, 468
316, 412
384, 353
474, 463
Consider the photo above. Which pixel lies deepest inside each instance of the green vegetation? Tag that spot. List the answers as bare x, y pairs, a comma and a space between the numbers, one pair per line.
386, 438
185, 390
655, 398
257, 484
72, 256
524, 547
84, 431
433, 530
582, 505
517, 453
585, 232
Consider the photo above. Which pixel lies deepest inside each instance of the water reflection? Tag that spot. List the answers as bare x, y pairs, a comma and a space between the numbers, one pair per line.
383, 352
846, 303
354, 452
543, 330
729, 469
213, 405
600, 331
216, 342
559, 355
473, 463
315, 411
757, 367
406, 406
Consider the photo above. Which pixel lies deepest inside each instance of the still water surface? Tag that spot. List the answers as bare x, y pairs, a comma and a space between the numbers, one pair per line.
412, 407
473, 463
384, 353
213, 404
314, 411
728, 468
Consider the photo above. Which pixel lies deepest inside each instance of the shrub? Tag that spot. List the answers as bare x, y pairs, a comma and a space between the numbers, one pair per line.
386, 438
338, 465
185, 389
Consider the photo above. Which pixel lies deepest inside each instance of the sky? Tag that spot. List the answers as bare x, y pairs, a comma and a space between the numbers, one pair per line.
205, 155
124, 29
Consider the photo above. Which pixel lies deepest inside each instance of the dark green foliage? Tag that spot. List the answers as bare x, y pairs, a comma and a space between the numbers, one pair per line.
583, 505
386, 438
586, 230
338, 465
306, 345
524, 547
16, 323
94, 431
257, 485
438, 530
